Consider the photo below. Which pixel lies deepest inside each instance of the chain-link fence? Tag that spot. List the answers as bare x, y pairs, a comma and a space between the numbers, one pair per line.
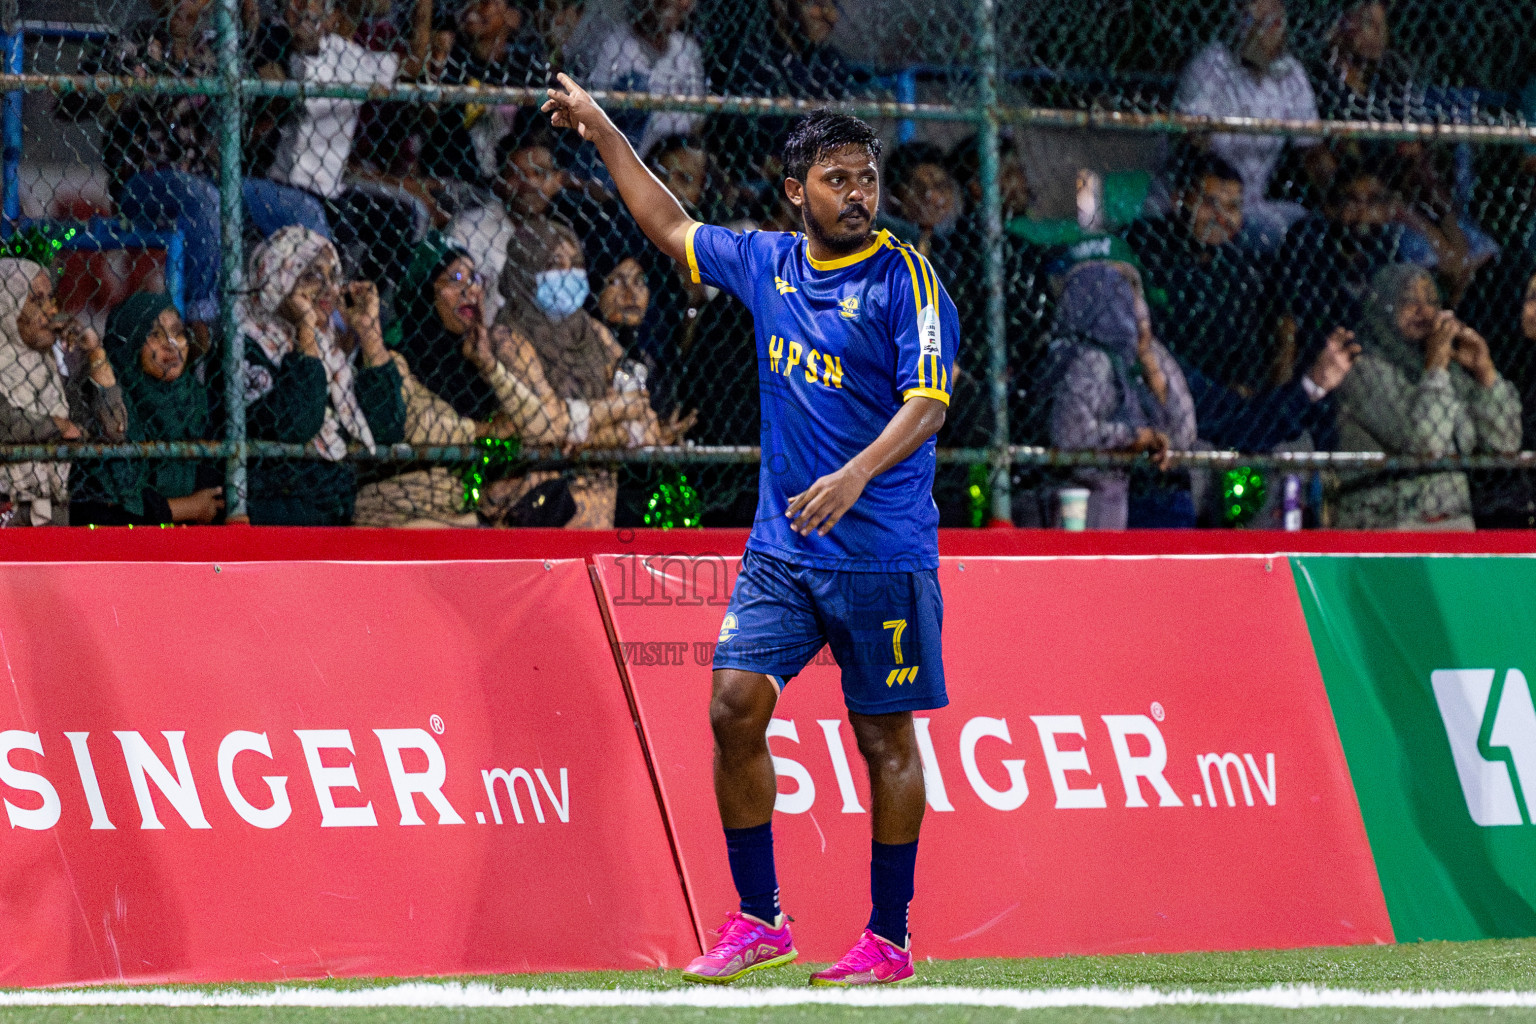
324, 262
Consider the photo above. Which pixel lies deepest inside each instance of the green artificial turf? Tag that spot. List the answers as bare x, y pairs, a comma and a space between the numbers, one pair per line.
1469, 966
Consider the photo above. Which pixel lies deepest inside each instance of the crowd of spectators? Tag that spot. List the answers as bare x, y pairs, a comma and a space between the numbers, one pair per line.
449, 273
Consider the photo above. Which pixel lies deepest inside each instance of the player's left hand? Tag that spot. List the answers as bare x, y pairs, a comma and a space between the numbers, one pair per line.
571, 106
821, 505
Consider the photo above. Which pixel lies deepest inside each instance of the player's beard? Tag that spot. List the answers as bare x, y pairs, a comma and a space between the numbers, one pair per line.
845, 245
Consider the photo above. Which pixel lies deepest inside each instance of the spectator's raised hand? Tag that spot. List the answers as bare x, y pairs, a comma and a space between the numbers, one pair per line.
479, 347
198, 507
360, 310
360, 306
1471, 350
571, 106
671, 430
78, 337
301, 310
1437, 347
1335, 361
1154, 443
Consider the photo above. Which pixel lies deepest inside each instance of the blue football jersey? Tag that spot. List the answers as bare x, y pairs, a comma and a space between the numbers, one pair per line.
841, 344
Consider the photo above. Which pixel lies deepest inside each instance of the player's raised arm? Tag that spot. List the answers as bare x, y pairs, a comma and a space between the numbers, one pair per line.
655, 209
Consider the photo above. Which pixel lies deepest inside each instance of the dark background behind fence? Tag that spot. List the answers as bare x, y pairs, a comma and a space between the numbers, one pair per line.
1019, 136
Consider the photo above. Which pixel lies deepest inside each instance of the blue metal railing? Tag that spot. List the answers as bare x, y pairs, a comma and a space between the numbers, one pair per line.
106, 234
99, 234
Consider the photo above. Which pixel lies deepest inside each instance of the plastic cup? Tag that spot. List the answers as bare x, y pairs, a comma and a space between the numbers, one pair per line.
1074, 508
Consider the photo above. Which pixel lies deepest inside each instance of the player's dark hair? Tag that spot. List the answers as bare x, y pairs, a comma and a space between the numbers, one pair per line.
820, 134
1194, 166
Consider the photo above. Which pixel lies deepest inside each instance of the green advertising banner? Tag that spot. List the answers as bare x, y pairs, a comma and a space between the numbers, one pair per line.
1425, 662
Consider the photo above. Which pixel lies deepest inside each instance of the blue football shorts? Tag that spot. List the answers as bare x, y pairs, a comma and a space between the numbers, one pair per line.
883, 629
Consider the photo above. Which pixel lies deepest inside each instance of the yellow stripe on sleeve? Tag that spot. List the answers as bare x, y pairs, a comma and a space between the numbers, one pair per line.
933, 393
931, 285
693, 259
917, 301
930, 281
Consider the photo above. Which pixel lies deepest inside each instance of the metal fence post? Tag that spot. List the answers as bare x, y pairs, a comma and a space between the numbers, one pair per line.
232, 252
1001, 510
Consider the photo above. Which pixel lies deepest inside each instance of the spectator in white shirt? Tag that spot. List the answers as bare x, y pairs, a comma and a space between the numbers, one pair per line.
646, 52
316, 140
1253, 77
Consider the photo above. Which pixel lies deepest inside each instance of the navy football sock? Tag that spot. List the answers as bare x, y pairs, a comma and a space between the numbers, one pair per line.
891, 867
751, 854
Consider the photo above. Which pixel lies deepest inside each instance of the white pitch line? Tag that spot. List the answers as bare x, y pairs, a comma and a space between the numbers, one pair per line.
455, 995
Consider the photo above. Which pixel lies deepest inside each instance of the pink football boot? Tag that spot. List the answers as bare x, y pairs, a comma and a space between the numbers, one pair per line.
746, 945
871, 961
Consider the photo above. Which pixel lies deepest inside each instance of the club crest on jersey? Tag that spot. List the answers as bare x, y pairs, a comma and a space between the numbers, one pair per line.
928, 331
848, 308
783, 286
727, 628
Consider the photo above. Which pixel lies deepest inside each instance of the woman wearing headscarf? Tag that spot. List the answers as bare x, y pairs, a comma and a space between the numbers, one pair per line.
1424, 385
1503, 308
147, 343
546, 288
461, 382
623, 297
48, 393
1117, 389
316, 373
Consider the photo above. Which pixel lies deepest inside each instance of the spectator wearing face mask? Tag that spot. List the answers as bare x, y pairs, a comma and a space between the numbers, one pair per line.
164, 401
1253, 76
545, 286
462, 381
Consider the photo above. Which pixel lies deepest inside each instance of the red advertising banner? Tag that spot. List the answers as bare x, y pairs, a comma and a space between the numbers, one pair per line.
1138, 756
289, 770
